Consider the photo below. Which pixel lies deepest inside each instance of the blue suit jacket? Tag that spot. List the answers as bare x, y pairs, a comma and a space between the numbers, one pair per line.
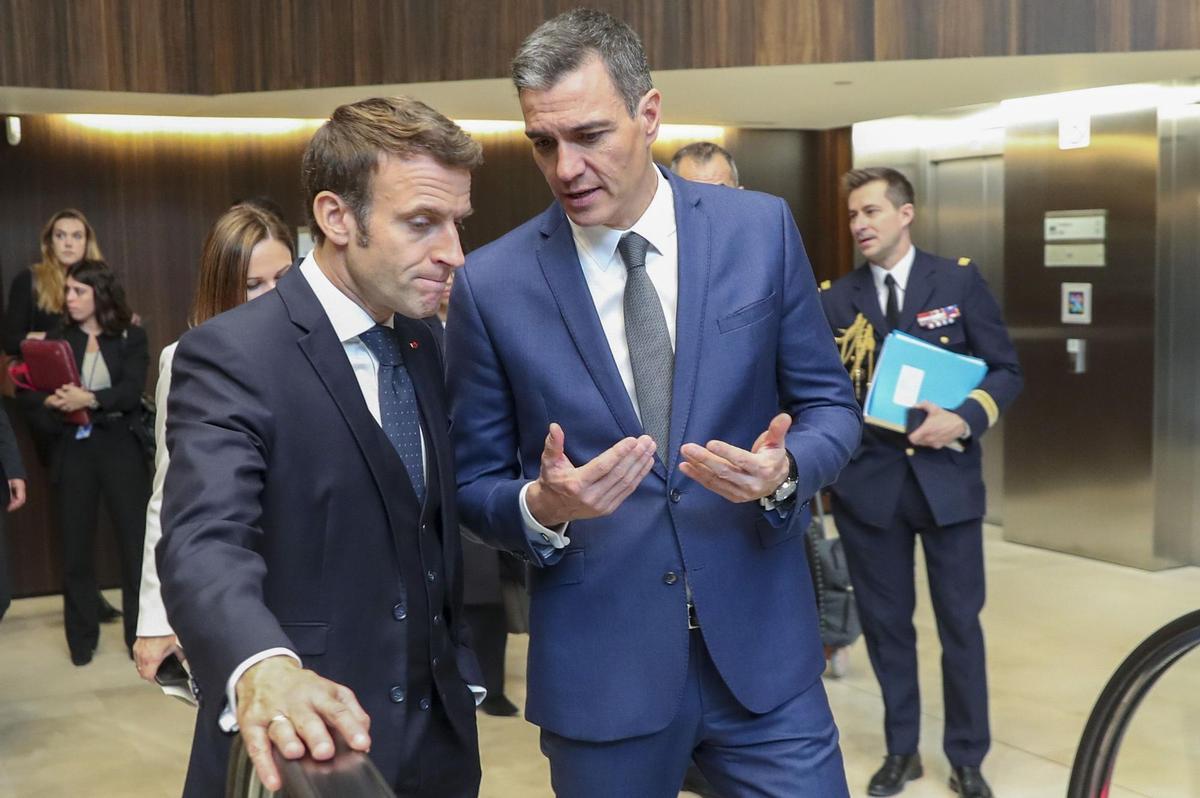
284, 508
609, 641
869, 487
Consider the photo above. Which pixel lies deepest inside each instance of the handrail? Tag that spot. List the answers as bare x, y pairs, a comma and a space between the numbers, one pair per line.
349, 774
1096, 756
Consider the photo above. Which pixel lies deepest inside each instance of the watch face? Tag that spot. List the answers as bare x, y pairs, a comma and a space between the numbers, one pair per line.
785, 490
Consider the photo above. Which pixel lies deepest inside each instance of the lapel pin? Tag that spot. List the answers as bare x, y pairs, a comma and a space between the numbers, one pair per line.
413, 344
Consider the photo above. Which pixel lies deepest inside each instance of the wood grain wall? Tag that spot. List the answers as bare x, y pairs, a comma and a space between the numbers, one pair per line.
222, 46
151, 198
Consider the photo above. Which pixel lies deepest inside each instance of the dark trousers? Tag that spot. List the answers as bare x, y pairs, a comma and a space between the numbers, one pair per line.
882, 563
787, 752
107, 464
5, 581
443, 764
489, 637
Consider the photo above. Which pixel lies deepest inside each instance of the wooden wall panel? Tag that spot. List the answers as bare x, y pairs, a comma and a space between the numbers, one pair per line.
223, 46
152, 197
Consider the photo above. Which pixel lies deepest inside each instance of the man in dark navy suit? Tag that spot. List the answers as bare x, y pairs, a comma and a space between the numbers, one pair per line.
928, 483
310, 559
641, 388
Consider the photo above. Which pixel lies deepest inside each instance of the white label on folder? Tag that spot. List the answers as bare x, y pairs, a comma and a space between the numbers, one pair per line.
908, 386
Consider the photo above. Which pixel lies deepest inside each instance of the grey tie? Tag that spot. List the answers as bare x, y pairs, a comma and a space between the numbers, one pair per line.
649, 343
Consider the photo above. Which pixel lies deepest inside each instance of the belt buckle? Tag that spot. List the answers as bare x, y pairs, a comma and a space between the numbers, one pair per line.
693, 620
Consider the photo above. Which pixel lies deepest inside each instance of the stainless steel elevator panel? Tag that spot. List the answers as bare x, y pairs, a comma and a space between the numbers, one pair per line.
966, 202
1177, 338
1079, 447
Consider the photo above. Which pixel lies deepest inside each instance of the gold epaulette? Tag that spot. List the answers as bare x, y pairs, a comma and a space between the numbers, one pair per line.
856, 345
964, 261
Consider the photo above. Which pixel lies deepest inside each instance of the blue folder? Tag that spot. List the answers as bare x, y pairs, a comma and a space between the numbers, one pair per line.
910, 370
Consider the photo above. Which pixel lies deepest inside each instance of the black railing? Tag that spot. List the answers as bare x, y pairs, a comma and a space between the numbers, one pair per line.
1097, 754
350, 774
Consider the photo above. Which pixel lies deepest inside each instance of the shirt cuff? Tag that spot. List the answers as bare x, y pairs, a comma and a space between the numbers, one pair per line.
480, 693
541, 536
228, 719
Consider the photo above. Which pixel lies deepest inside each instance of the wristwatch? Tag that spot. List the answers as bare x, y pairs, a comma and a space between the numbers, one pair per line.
785, 495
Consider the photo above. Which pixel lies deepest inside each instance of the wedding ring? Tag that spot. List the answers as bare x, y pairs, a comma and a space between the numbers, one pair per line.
279, 717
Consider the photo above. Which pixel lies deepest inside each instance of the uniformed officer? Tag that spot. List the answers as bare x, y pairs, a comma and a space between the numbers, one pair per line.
927, 483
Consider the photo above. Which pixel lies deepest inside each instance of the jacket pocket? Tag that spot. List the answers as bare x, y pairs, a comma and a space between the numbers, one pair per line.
567, 571
745, 316
308, 639
769, 535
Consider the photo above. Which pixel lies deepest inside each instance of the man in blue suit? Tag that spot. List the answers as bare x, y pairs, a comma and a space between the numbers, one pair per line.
617, 366
310, 558
928, 483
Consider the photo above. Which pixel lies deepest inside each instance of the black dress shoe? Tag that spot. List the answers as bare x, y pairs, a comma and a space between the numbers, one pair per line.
969, 783
897, 770
499, 705
81, 658
108, 613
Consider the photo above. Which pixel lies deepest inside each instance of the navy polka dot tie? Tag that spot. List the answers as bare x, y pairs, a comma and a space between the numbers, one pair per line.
398, 412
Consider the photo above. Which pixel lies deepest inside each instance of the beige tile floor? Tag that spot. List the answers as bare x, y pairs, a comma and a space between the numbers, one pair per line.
1057, 626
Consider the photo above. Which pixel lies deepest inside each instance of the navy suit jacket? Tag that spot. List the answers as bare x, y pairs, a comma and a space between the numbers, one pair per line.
869, 487
283, 511
608, 651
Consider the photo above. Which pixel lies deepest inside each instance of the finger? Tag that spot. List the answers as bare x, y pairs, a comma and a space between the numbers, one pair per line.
927, 406
555, 441
313, 734
713, 462
640, 454
739, 458
710, 481
621, 490
342, 712
602, 464
777, 430
258, 749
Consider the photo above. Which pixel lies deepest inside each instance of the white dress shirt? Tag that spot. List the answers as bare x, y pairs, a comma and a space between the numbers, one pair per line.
152, 615
605, 273
899, 273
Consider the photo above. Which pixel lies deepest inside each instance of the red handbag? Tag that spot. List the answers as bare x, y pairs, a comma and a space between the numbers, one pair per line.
46, 366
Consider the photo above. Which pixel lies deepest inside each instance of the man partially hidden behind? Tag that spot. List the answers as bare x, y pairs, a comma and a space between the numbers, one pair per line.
617, 369
927, 484
705, 162
310, 560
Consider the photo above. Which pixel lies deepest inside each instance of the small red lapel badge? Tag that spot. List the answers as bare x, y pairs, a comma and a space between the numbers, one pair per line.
413, 344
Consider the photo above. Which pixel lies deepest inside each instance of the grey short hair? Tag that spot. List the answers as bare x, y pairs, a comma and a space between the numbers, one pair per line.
560, 45
703, 152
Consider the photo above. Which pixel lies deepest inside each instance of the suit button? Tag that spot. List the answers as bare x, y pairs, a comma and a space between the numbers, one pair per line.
670, 578
945, 339
910, 452
424, 704
430, 576
424, 527
435, 662
399, 612
437, 619
675, 495
397, 695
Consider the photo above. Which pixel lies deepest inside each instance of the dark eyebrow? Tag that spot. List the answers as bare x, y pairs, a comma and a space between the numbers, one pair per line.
586, 127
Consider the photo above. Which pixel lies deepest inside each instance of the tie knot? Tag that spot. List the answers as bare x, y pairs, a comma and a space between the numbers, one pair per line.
633, 250
384, 344
889, 280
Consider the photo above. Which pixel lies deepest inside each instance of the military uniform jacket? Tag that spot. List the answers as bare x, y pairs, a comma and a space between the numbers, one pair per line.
869, 487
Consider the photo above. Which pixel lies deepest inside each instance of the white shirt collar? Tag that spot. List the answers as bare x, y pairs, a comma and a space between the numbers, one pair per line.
899, 272
348, 318
656, 225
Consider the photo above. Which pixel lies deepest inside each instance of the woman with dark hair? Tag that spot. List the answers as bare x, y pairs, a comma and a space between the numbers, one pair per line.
247, 251
102, 458
35, 308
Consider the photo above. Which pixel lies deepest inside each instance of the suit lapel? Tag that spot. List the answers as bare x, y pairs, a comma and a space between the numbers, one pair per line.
917, 292
693, 228
560, 265
866, 301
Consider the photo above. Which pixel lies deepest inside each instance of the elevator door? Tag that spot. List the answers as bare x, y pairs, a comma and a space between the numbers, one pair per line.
967, 202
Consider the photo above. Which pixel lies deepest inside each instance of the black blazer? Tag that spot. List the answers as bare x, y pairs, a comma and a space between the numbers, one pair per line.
22, 315
283, 515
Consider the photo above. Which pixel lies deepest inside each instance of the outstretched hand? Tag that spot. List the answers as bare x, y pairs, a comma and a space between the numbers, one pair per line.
564, 492
736, 474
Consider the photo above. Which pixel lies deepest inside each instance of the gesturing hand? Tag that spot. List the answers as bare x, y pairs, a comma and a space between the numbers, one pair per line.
281, 704
564, 492
940, 428
737, 474
16, 494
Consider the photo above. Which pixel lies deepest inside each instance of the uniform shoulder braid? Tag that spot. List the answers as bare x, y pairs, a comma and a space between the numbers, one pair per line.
964, 261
